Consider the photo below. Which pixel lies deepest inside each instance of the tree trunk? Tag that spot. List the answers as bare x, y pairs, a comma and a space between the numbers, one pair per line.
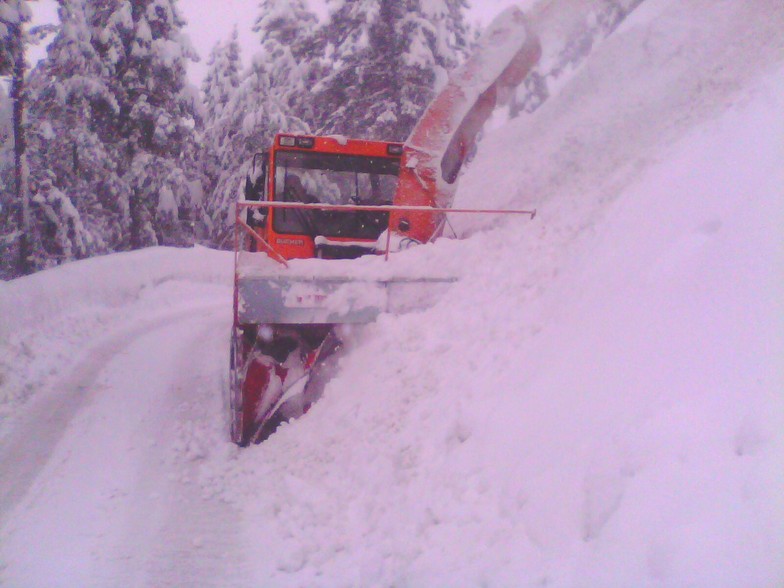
21, 172
135, 210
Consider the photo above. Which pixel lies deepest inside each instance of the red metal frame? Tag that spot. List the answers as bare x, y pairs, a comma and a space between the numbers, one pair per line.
274, 254
280, 246
243, 204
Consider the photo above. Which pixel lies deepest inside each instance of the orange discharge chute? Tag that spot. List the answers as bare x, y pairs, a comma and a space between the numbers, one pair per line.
437, 148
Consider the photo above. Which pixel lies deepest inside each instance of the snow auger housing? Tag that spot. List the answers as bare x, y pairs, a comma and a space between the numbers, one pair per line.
334, 198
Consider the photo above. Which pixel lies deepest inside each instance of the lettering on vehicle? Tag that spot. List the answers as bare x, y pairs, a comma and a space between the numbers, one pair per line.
304, 296
280, 241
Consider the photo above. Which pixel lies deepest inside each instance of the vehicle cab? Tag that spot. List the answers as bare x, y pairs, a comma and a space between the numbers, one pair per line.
323, 171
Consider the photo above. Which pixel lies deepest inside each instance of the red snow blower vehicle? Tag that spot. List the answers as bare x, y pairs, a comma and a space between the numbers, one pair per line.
326, 199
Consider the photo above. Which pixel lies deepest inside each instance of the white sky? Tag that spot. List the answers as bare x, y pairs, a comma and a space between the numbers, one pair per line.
210, 21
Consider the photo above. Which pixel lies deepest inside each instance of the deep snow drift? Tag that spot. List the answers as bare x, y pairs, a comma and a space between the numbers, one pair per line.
597, 402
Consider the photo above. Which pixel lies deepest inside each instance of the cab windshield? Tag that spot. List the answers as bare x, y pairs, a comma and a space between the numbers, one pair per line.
333, 179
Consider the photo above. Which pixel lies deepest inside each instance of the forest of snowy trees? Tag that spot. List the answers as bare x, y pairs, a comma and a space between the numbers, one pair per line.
112, 148
105, 145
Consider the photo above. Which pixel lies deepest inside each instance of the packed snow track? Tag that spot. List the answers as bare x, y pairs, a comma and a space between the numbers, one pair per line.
99, 469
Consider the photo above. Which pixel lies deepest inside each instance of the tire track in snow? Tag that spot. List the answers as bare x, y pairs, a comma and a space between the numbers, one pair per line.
28, 447
196, 539
103, 488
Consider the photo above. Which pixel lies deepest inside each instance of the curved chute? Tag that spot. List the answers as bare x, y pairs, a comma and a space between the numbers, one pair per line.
435, 152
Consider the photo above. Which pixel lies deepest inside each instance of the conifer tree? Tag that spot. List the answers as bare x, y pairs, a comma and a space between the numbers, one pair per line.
389, 57
143, 51
252, 118
219, 86
447, 34
222, 78
271, 97
70, 163
14, 15
286, 28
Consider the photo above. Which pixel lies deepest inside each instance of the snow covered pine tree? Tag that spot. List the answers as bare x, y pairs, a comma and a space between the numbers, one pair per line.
72, 167
269, 99
14, 14
143, 51
220, 83
388, 56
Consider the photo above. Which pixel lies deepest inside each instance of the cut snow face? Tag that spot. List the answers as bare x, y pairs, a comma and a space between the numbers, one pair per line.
597, 401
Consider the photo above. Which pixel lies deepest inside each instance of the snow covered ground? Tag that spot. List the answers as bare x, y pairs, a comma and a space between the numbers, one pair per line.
599, 401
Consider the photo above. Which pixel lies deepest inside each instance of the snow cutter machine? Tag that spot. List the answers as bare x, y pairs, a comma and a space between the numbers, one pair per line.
327, 199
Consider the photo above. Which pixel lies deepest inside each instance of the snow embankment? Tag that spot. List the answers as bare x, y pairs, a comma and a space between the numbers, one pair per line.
48, 317
598, 401
28, 302
616, 422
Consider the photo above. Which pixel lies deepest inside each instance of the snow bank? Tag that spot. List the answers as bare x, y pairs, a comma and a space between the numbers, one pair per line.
48, 319
598, 400
617, 422
670, 66
28, 302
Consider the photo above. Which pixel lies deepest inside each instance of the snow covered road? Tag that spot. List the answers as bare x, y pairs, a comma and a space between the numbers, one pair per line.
597, 402
99, 468
111, 476
43, 426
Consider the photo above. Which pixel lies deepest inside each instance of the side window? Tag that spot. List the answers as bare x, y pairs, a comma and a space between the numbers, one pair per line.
256, 180
292, 185
255, 188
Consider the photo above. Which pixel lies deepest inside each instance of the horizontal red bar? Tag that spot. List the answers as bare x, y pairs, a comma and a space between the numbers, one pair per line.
370, 208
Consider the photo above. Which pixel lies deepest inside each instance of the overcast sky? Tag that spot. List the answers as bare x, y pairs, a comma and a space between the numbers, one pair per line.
212, 20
